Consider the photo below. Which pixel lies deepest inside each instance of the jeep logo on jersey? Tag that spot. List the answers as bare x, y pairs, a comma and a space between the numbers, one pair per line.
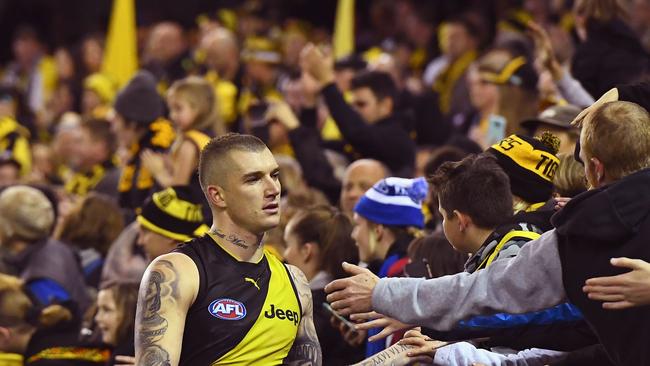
287, 314
227, 309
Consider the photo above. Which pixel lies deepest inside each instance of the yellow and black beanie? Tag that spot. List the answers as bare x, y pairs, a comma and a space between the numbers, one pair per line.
530, 164
174, 213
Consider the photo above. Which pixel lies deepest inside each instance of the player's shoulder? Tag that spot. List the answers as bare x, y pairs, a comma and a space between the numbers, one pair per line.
175, 268
298, 276
175, 264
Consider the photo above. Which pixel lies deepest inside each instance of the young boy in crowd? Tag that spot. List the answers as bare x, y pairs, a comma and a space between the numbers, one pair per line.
384, 221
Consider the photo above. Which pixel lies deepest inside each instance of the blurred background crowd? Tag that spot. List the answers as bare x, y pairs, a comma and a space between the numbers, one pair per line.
104, 107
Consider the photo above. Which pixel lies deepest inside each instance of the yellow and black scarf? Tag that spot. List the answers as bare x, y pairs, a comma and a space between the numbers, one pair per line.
136, 182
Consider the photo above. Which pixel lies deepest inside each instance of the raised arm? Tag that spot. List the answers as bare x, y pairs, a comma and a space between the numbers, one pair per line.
306, 348
167, 290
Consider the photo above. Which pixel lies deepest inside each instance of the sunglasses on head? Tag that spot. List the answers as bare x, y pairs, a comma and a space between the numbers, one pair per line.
576, 154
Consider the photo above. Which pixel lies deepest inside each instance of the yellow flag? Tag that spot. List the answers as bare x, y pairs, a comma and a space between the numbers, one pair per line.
344, 29
121, 52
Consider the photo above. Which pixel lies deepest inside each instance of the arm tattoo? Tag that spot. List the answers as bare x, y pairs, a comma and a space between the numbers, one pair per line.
231, 238
306, 348
161, 287
386, 357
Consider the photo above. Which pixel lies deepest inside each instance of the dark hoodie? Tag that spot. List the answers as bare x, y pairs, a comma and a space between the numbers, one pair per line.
597, 225
611, 55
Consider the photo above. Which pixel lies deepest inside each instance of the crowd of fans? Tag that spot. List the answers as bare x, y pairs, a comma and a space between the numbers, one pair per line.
443, 144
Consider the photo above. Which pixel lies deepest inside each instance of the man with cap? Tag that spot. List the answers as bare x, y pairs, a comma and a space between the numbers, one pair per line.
384, 219
138, 125
167, 218
556, 120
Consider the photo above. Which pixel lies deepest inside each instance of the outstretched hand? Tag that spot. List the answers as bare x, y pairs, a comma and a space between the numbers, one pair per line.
376, 320
625, 290
423, 346
353, 294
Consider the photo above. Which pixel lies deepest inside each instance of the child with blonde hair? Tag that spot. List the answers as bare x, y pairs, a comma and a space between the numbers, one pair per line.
193, 110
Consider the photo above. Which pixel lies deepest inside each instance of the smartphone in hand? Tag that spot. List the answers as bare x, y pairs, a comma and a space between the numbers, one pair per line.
343, 320
496, 129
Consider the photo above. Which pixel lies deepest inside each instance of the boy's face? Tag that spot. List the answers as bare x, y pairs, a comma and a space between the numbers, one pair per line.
451, 228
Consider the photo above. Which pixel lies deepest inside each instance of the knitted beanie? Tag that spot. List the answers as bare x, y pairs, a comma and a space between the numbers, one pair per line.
395, 202
26, 213
139, 100
173, 213
530, 164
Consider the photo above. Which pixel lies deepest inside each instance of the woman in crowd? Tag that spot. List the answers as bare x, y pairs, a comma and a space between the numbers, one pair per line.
503, 89
318, 241
115, 318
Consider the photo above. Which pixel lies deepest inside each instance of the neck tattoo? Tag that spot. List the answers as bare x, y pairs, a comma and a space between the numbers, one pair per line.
231, 238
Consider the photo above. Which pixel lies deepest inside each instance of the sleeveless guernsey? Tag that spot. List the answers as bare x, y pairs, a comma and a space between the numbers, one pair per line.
244, 313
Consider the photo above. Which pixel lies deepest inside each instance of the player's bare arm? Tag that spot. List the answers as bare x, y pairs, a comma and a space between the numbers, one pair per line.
306, 348
167, 290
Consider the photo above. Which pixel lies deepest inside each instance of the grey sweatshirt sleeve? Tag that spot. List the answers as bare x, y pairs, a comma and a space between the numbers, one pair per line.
531, 281
573, 91
463, 353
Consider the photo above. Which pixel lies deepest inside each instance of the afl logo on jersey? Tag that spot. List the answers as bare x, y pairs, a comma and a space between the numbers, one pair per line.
227, 309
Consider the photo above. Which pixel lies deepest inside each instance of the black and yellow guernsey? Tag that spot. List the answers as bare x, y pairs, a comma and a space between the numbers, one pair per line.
244, 313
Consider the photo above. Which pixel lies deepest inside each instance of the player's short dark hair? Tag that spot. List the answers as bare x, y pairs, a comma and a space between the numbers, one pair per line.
215, 151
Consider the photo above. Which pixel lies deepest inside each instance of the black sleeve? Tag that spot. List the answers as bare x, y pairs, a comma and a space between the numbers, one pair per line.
638, 93
316, 169
365, 139
391, 145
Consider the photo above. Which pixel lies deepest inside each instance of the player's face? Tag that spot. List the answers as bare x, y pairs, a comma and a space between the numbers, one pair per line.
252, 190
